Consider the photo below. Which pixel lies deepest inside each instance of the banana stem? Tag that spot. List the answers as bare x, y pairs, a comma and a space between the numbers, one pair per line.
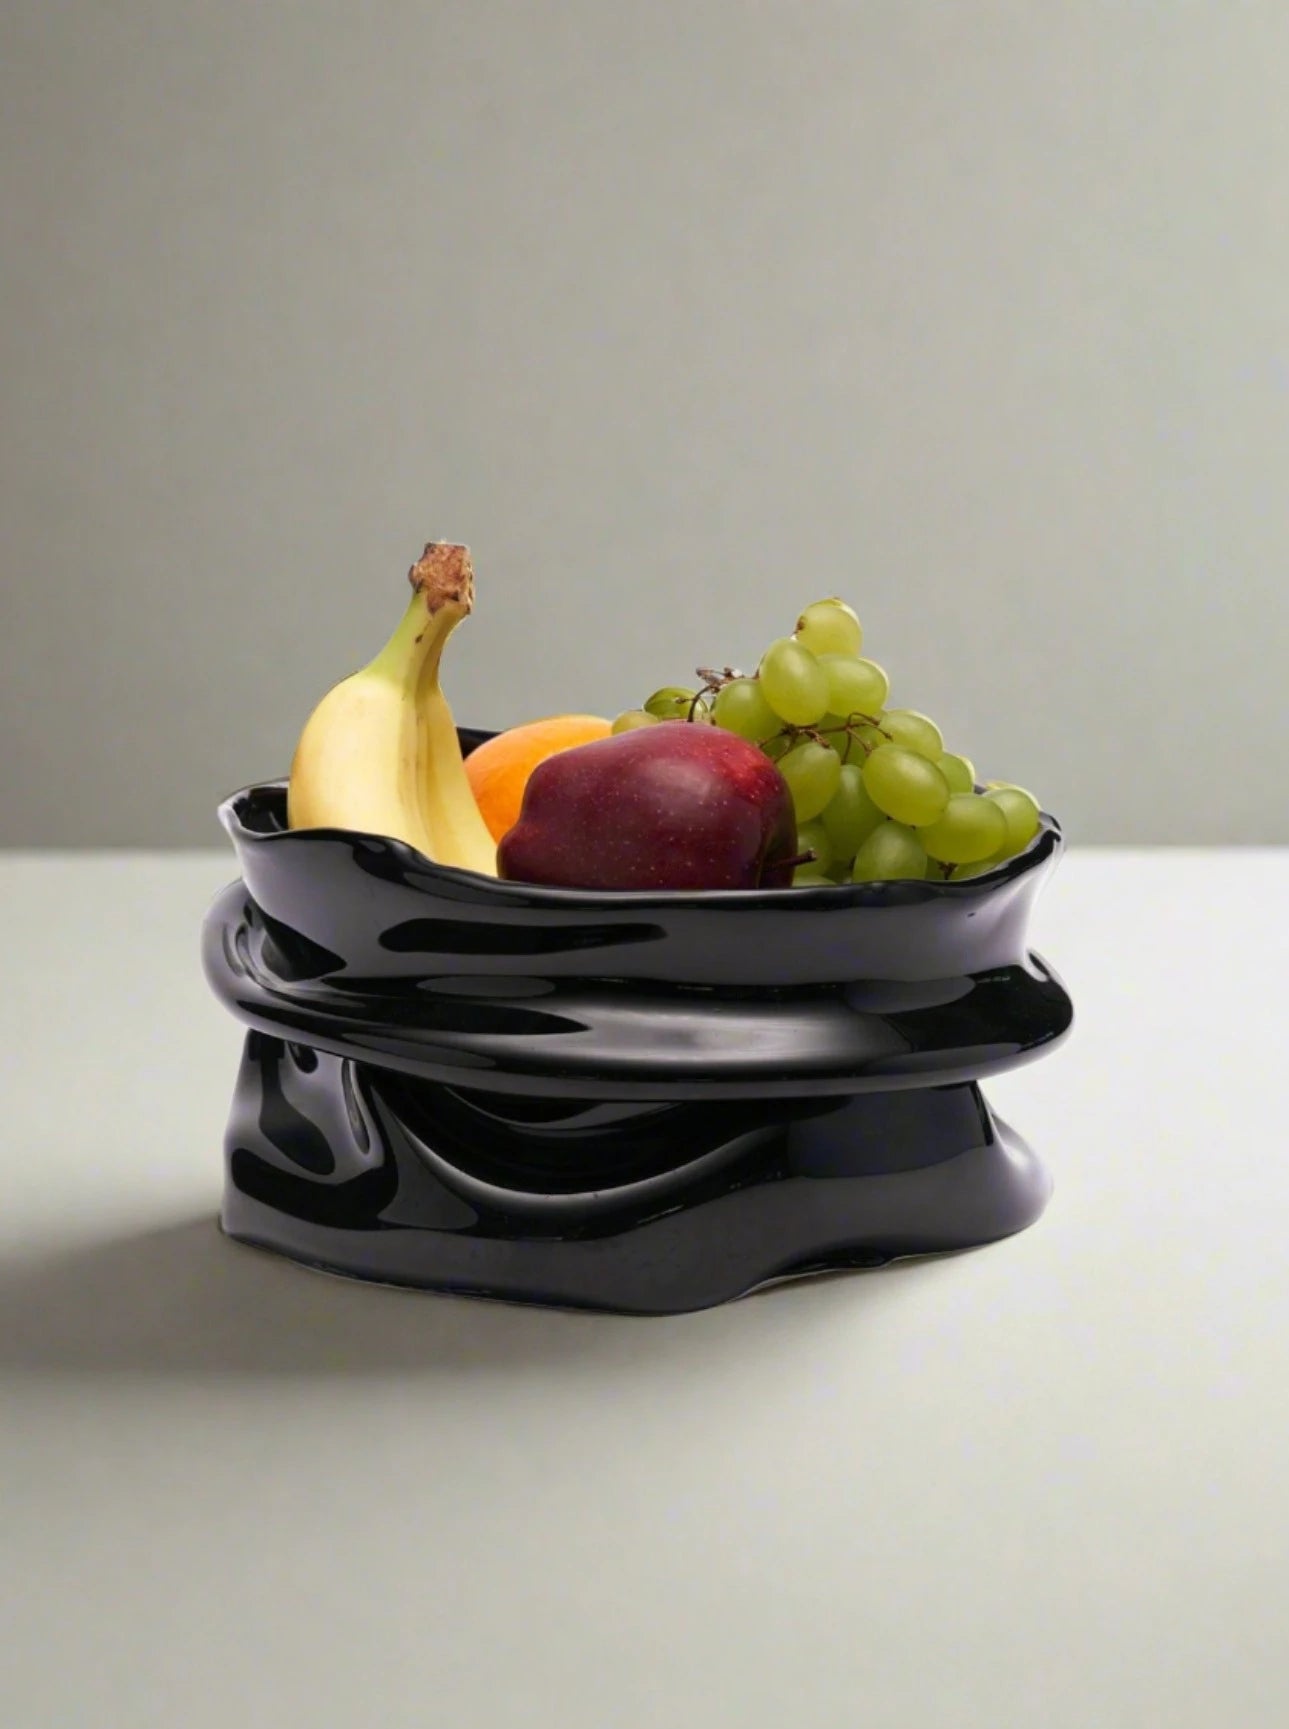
444, 574
442, 582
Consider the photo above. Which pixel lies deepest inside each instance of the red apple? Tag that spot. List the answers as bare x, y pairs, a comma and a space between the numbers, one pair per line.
681, 805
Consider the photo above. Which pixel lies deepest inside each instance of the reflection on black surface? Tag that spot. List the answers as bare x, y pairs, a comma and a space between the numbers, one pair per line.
355, 1205
295, 1135
616, 1037
461, 937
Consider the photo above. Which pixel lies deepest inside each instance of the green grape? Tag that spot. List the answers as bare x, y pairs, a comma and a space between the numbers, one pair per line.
813, 837
812, 772
850, 816
631, 718
906, 786
959, 771
811, 877
793, 683
969, 829
890, 853
674, 702
830, 627
778, 746
1020, 816
740, 707
839, 870
916, 732
854, 686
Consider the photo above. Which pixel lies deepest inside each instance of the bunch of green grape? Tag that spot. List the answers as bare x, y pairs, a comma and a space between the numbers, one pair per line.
877, 796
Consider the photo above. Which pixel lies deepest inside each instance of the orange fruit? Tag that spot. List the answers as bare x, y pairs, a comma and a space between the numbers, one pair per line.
499, 769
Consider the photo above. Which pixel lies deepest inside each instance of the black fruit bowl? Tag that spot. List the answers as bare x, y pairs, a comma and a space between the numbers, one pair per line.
640, 1102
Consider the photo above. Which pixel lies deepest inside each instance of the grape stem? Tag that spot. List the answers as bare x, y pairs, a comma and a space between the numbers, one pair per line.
821, 734
715, 679
712, 682
802, 858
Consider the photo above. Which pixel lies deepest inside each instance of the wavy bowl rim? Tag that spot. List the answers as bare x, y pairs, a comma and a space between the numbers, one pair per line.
1045, 847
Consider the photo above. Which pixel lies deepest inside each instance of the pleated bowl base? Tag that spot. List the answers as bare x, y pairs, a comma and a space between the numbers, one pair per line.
344, 1170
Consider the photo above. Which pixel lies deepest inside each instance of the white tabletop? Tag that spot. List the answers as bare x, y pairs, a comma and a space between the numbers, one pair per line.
1043, 1484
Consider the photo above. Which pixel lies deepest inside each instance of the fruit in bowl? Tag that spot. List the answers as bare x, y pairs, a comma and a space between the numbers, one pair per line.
380, 753
672, 807
499, 769
877, 796
799, 775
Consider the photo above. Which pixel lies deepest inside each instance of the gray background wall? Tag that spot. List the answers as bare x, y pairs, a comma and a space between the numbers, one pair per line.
681, 315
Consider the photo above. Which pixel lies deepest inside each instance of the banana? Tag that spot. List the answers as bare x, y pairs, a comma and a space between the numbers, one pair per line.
380, 752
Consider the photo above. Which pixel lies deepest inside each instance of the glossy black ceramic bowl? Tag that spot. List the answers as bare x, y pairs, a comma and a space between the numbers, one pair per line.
646, 1102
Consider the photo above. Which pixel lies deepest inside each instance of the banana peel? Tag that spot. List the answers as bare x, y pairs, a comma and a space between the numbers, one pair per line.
380, 752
